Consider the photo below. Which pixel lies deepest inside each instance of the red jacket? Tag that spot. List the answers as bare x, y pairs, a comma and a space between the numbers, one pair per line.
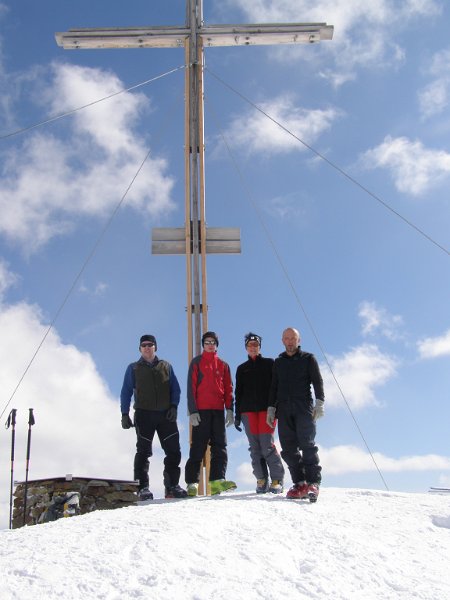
209, 385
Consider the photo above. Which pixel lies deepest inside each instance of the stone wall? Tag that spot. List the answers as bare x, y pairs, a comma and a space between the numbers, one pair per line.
94, 494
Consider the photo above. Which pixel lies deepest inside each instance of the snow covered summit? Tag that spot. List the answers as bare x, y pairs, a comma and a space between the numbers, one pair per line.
352, 544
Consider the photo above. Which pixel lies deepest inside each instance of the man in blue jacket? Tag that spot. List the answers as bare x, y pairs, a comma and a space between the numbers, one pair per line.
156, 393
294, 372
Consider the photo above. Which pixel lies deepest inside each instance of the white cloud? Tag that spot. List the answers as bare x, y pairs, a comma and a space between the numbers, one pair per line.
377, 321
77, 427
414, 168
77, 419
7, 278
351, 459
344, 14
258, 134
50, 181
365, 33
244, 475
108, 123
434, 97
346, 459
291, 207
434, 347
99, 290
359, 372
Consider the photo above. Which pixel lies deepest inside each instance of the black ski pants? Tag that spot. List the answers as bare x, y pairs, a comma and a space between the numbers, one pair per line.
147, 423
297, 432
210, 429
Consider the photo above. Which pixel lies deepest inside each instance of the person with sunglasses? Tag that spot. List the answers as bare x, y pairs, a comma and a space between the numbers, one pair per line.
209, 392
156, 392
253, 379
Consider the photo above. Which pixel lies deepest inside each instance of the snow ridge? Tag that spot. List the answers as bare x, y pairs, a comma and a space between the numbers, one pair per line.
352, 544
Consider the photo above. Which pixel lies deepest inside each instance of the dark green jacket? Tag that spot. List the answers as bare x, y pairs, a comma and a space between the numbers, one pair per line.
154, 386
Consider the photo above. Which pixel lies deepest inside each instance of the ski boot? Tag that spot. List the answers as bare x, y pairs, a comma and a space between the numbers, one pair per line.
298, 491
276, 487
262, 486
313, 491
175, 491
145, 494
221, 485
192, 490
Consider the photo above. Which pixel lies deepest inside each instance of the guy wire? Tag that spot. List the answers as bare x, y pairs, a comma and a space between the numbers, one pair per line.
332, 164
90, 255
296, 295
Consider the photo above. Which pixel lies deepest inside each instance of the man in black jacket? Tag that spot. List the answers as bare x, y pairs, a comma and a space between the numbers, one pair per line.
291, 401
253, 379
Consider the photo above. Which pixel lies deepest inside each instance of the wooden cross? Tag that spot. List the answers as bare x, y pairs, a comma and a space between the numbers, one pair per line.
195, 239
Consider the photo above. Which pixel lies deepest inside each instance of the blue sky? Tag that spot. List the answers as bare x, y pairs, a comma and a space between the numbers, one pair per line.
374, 102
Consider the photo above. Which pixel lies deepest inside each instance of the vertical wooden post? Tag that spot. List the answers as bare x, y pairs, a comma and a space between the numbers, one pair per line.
188, 217
206, 464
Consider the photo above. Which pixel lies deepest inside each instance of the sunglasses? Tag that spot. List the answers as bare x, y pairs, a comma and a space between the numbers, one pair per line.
147, 345
209, 343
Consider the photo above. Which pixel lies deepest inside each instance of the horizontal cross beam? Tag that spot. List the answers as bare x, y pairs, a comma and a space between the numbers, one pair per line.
212, 35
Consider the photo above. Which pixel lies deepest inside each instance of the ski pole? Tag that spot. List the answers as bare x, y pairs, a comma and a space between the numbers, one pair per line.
11, 421
31, 422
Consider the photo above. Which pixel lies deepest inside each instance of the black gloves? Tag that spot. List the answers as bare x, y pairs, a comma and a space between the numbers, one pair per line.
127, 423
237, 423
171, 414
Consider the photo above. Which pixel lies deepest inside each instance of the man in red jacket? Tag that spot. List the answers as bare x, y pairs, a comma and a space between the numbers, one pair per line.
209, 392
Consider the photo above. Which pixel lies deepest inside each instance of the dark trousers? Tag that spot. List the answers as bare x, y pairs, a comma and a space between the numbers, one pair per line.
297, 432
148, 422
211, 428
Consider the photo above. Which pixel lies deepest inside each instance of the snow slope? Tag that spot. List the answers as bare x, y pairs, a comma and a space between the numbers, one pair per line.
352, 544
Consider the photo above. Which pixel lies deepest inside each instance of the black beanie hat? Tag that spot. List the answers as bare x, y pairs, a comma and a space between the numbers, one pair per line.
252, 337
210, 334
148, 338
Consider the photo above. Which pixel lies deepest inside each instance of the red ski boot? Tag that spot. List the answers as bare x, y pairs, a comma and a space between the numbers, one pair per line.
298, 491
313, 491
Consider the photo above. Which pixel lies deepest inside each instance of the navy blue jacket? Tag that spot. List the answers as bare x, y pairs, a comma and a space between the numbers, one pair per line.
292, 379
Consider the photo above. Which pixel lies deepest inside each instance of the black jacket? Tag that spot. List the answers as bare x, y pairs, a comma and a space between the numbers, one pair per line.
253, 379
292, 379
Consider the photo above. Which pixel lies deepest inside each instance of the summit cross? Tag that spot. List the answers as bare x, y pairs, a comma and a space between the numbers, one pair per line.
195, 239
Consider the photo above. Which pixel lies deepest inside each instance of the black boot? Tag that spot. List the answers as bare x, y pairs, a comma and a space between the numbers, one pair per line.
175, 491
